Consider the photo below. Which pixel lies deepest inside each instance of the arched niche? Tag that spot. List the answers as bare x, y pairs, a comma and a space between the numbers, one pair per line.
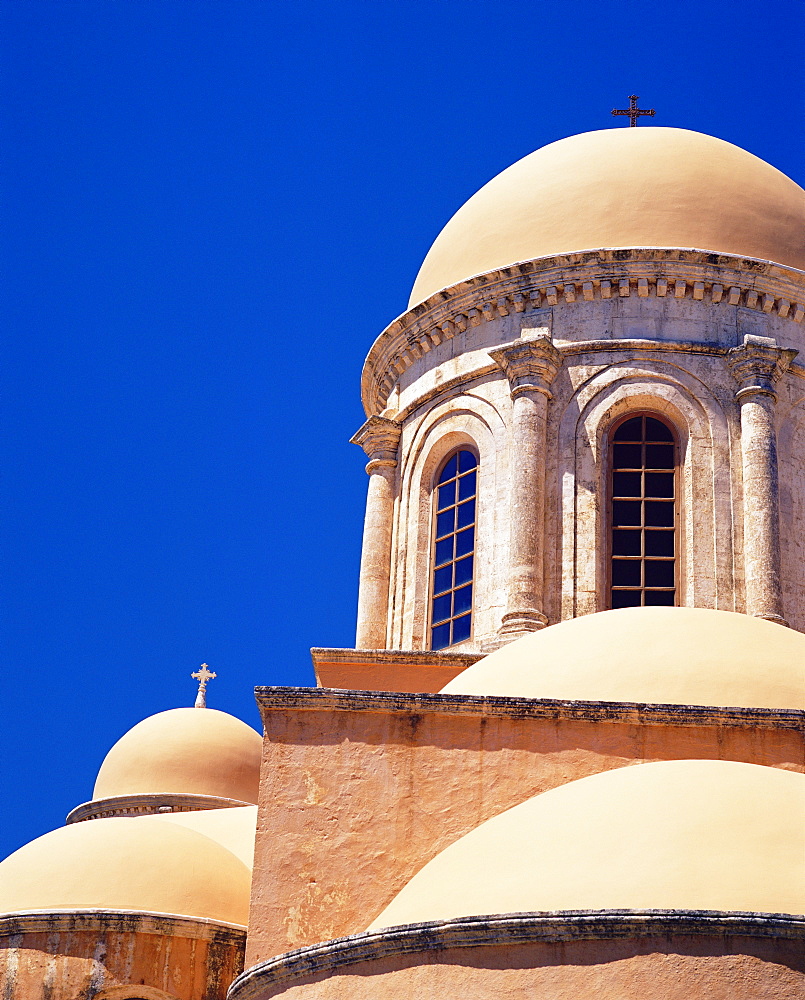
466, 421
707, 486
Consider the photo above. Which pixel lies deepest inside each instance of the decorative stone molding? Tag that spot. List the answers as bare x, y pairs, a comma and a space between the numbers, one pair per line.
530, 365
698, 275
513, 929
379, 437
148, 805
758, 364
329, 700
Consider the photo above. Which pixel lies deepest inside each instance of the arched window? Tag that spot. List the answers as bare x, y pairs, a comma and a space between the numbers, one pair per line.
642, 512
453, 550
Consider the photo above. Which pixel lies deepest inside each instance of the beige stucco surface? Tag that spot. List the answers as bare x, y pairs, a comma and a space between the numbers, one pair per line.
354, 803
622, 187
196, 750
699, 835
147, 863
688, 656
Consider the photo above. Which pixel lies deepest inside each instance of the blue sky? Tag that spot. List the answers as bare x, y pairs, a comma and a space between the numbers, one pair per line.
210, 209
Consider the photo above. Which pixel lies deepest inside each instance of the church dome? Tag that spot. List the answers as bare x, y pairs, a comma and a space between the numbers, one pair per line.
683, 834
682, 656
197, 751
146, 864
616, 188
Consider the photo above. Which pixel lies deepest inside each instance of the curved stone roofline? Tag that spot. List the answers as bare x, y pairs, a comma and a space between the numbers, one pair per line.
507, 929
587, 276
148, 804
632, 713
120, 922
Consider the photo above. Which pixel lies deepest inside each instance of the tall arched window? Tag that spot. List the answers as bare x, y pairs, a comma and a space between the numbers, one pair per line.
642, 513
453, 550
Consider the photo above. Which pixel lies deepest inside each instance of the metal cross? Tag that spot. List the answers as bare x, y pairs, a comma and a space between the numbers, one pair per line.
633, 111
202, 676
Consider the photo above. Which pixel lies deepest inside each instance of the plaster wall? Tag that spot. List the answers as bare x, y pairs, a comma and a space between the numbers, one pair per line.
623, 353
354, 802
84, 956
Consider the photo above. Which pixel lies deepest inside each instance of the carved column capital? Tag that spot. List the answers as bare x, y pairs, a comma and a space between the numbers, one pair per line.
379, 437
529, 365
758, 364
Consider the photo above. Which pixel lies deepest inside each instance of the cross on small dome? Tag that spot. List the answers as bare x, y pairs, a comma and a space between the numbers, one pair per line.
203, 675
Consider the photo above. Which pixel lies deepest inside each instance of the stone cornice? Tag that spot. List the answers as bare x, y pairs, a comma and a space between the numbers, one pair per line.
629, 713
147, 804
508, 929
580, 277
119, 922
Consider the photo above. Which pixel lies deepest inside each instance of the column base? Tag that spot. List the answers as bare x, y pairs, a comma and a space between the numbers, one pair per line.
777, 619
518, 623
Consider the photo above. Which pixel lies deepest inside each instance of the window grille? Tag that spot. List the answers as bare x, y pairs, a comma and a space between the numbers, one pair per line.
643, 513
453, 551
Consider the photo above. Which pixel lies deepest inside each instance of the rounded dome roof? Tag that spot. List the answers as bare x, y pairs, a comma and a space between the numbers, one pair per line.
233, 828
682, 656
198, 751
622, 187
145, 863
700, 834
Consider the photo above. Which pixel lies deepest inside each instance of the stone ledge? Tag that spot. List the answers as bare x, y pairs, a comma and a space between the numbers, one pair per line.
388, 669
414, 657
629, 713
505, 929
148, 804
119, 922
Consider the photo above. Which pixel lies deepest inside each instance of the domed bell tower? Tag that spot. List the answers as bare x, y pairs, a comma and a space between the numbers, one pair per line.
595, 399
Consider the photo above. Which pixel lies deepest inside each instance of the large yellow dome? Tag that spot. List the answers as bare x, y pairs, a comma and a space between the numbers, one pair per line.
147, 863
680, 656
683, 834
622, 187
197, 751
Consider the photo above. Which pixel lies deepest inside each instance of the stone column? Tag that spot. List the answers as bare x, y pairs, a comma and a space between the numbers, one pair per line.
757, 365
379, 438
530, 366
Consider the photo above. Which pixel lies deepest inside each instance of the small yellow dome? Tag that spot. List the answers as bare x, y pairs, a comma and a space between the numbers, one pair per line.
692, 834
681, 656
233, 828
145, 863
622, 187
197, 751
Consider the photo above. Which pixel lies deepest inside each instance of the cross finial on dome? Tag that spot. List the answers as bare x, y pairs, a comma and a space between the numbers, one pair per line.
633, 112
202, 676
